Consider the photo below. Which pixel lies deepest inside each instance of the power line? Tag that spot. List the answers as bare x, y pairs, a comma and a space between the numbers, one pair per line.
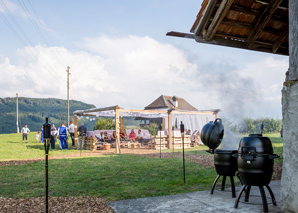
37, 28
21, 35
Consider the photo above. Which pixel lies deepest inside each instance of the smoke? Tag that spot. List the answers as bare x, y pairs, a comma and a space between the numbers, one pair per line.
230, 141
237, 95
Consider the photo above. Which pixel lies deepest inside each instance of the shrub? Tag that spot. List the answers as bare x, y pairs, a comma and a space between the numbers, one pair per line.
103, 123
152, 128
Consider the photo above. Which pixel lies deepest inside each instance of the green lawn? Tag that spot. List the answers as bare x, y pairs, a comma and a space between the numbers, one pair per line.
12, 147
115, 177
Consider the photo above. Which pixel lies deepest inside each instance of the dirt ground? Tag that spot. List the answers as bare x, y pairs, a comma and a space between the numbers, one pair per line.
89, 203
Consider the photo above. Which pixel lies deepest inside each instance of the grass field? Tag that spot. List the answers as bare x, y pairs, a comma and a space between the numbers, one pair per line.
114, 177
12, 147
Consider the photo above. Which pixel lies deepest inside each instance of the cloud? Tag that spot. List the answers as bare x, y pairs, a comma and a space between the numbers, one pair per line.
133, 71
5, 4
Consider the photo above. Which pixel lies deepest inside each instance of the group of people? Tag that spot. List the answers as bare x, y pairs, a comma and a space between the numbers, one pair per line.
62, 134
133, 137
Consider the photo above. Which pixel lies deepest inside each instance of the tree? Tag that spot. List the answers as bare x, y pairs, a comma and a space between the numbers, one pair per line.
103, 123
152, 128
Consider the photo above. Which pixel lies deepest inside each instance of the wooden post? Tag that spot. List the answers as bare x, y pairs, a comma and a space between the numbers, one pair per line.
163, 124
75, 123
217, 115
117, 128
170, 129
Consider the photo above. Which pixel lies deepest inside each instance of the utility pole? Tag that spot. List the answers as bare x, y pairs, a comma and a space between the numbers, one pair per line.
68, 94
17, 100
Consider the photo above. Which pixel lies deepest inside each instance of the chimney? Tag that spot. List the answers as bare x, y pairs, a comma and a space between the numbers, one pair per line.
175, 101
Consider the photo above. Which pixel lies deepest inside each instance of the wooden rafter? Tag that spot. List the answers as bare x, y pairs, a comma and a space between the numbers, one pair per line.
281, 38
283, 5
220, 14
262, 22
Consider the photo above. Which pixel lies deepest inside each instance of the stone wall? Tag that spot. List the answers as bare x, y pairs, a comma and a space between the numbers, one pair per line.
289, 182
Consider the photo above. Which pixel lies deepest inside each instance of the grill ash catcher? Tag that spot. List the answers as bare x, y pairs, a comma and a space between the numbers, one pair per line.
252, 163
47, 138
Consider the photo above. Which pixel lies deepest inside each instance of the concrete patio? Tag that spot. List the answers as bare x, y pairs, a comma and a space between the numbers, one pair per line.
202, 201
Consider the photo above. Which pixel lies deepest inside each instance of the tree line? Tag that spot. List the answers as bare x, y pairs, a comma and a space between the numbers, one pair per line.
251, 125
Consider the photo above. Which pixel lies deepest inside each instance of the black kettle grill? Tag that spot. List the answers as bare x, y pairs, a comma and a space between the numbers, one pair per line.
225, 165
255, 160
212, 134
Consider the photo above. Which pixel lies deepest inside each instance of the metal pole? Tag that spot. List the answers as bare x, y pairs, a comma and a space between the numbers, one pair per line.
160, 128
46, 147
182, 134
47, 138
17, 101
68, 93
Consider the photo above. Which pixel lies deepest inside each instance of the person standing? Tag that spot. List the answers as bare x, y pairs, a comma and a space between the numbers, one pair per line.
41, 135
54, 134
71, 132
25, 131
62, 135
37, 137
83, 130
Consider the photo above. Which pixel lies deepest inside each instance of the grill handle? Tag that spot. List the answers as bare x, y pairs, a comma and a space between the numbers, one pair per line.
235, 155
273, 156
248, 153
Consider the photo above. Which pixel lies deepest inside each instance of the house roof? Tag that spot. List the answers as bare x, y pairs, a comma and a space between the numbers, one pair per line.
166, 102
260, 25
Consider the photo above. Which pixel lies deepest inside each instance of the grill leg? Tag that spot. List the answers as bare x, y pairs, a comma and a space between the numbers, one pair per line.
223, 183
239, 179
214, 183
233, 186
272, 195
264, 199
238, 197
247, 193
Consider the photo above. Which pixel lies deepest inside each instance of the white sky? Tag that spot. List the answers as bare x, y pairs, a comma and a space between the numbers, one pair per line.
119, 55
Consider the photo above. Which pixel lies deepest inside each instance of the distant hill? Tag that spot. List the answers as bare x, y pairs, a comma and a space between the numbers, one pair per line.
32, 110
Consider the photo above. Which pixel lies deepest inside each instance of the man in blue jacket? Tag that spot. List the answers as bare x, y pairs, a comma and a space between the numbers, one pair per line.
63, 135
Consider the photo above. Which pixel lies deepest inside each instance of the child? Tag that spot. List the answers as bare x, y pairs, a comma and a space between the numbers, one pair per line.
37, 137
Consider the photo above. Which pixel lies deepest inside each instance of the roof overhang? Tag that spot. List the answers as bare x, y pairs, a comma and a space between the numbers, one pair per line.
260, 25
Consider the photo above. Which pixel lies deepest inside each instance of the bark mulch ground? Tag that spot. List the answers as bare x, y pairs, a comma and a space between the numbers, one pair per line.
56, 204
89, 203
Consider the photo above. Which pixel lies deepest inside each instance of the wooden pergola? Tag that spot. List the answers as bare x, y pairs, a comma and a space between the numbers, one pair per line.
120, 113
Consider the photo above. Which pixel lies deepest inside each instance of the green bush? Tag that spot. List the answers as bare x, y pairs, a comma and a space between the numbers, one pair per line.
103, 123
152, 128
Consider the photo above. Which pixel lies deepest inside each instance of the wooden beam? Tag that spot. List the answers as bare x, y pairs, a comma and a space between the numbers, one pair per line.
262, 22
117, 129
282, 6
246, 25
220, 14
281, 38
239, 44
192, 112
144, 111
170, 129
81, 112
181, 35
197, 30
